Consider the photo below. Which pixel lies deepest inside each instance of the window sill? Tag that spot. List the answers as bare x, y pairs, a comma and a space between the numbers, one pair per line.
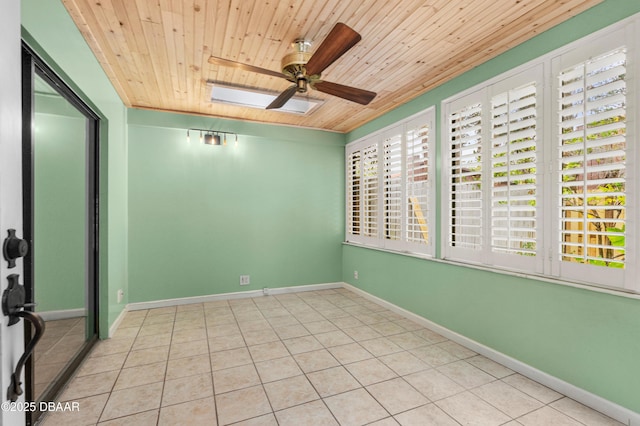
385, 250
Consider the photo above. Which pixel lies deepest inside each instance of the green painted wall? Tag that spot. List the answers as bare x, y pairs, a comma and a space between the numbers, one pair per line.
589, 339
586, 338
49, 29
200, 216
273, 209
59, 197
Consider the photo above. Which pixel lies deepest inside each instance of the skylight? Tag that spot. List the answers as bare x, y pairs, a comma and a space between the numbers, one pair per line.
256, 98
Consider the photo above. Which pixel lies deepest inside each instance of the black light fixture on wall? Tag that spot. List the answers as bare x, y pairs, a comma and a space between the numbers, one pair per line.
212, 137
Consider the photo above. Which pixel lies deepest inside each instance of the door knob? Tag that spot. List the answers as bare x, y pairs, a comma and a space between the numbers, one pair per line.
13, 248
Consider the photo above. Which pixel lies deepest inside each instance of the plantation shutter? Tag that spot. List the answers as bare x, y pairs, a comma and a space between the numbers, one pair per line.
513, 171
353, 193
370, 190
392, 186
418, 184
465, 177
388, 180
540, 166
592, 154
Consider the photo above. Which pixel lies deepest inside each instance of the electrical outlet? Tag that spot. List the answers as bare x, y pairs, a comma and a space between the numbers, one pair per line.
120, 295
355, 275
245, 280
265, 291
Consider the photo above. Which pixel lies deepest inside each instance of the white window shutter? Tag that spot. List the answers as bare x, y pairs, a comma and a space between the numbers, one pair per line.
388, 187
392, 190
418, 182
370, 191
463, 178
592, 168
491, 174
513, 171
540, 165
361, 192
353, 174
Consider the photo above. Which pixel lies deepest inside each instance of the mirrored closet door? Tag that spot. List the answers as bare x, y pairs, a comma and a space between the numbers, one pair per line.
60, 180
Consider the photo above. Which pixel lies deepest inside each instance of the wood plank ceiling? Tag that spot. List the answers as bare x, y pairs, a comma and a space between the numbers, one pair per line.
155, 52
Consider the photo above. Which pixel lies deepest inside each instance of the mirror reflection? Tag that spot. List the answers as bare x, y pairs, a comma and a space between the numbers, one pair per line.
60, 231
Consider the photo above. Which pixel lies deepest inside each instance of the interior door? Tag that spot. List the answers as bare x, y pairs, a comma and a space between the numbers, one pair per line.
11, 336
60, 137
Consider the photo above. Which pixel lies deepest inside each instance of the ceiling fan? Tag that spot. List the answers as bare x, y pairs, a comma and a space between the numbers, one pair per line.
303, 69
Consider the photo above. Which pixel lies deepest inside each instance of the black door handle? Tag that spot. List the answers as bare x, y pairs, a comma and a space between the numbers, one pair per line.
13, 305
15, 388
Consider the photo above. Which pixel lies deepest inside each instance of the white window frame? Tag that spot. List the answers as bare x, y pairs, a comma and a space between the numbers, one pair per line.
449, 250
394, 133
363, 235
618, 35
483, 253
547, 263
426, 117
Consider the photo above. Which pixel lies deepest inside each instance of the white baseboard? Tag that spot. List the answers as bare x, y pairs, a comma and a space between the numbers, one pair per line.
228, 296
214, 297
589, 399
62, 314
600, 404
117, 322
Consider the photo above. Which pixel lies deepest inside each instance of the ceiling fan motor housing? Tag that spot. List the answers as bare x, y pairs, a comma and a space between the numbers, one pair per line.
293, 63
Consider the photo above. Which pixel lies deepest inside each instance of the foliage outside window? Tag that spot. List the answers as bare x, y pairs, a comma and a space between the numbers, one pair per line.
592, 157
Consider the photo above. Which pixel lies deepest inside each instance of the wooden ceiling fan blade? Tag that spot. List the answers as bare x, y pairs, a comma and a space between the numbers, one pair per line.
244, 67
283, 98
340, 39
353, 94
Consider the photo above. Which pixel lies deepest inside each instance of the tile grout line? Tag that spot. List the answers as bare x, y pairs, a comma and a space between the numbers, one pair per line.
213, 385
356, 306
166, 367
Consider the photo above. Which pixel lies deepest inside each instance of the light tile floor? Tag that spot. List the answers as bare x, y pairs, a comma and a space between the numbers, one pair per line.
61, 341
326, 357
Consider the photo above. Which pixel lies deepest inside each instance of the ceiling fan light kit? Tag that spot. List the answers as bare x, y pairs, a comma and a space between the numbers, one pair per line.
304, 69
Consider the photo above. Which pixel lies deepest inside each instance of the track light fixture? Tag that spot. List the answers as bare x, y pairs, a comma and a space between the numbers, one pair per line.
212, 137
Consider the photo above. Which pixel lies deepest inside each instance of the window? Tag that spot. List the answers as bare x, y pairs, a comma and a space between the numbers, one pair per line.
592, 155
353, 191
593, 165
417, 183
389, 181
491, 181
538, 172
513, 171
392, 186
370, 191
362, 190
465, 166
